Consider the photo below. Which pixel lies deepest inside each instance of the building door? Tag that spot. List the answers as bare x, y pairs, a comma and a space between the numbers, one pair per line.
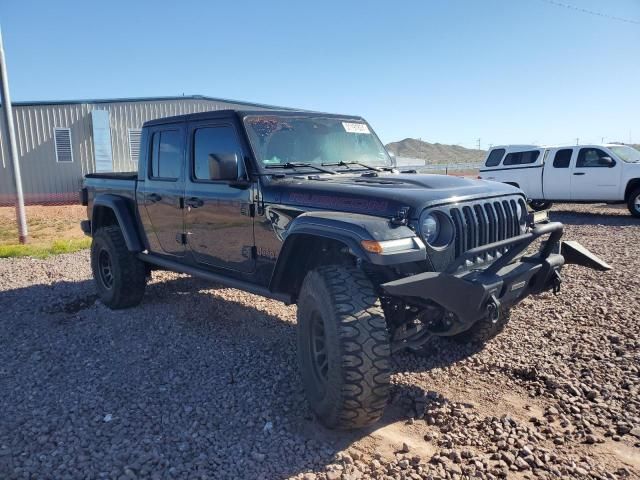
164, 188
218, 209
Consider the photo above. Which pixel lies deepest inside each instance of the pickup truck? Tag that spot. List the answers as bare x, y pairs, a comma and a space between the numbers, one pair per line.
306, 208
581, 174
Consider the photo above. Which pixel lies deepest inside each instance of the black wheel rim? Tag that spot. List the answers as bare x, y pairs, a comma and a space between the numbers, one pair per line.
318, 351
105, 269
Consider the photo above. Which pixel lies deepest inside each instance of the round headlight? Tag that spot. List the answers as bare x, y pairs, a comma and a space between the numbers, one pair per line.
430, 228
436, 229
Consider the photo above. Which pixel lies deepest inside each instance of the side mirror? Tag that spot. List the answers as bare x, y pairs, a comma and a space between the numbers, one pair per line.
607, 162
224, 166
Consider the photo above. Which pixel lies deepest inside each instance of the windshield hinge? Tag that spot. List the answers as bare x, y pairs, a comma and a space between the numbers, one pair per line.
181, 238
401, 218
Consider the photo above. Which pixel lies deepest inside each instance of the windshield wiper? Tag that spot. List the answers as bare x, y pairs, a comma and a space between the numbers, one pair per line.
299, 165
364, 165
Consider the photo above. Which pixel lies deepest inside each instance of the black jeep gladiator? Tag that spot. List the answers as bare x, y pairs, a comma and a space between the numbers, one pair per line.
308, 208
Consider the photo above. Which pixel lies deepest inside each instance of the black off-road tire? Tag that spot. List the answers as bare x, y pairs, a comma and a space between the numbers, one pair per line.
539, 205
484, 329
339, 314
120, 277
633, 203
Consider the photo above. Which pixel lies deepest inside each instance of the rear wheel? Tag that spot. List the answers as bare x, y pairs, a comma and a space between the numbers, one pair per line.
120, 277
343, 347
633, 203
539, 205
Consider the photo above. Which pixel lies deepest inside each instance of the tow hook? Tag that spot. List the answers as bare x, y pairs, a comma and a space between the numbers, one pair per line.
557, 282
493, 309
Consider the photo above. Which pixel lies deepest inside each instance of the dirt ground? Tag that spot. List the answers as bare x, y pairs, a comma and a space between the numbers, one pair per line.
201, 381
45, 223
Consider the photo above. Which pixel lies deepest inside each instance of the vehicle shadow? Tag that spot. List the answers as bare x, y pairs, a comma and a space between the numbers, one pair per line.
615, 218
186, 367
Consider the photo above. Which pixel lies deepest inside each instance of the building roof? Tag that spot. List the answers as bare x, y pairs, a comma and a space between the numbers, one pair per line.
143, 99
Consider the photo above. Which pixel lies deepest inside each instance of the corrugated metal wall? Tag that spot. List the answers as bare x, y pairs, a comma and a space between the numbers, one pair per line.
47, 181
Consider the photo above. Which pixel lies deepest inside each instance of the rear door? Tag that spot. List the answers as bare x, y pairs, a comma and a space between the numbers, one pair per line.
218, 212
556, 179
164, 188
593, 177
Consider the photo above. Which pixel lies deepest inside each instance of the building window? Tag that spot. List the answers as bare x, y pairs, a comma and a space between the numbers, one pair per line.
64, 152
134, 144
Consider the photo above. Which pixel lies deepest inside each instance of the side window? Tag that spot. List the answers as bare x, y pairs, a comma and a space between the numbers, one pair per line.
495, 157
522, 158
214, 149
590, 158
166, 155
562, 158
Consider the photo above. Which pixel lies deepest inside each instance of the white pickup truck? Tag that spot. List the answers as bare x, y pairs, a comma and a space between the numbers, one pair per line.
582, 174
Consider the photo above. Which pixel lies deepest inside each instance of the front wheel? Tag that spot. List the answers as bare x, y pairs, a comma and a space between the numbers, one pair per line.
633, 203
539, 205
343, 347
120, 277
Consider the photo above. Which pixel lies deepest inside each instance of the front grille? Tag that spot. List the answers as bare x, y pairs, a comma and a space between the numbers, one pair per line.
481, 223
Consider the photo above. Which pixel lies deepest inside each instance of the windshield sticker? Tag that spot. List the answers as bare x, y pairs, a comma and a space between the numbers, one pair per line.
265, 126
355, 127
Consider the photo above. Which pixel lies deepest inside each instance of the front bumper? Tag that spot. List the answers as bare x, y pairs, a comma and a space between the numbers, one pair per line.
468, 294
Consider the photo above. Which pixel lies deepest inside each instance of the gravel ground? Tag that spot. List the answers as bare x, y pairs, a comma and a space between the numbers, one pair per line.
201, 382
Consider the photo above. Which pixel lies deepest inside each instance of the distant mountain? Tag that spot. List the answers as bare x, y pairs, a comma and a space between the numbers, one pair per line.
435, 153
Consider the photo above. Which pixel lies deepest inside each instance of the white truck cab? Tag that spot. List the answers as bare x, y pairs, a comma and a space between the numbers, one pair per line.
568, 173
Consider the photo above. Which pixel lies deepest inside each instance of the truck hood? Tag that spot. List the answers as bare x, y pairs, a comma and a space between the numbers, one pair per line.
381, 195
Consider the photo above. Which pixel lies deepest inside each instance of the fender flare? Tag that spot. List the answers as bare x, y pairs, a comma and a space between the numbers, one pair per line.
350, 230
126, 222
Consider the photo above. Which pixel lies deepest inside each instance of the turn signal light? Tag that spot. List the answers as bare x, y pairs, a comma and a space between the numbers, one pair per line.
372, 246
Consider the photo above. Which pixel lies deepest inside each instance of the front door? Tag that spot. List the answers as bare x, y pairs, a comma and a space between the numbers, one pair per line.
556, 179
218, 209
164, 188
596, 176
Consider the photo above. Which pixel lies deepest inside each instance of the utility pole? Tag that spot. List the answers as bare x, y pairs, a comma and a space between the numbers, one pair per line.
10, 137
577, 141
479, 143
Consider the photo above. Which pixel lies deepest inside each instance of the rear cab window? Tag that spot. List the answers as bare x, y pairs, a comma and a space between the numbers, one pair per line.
166, 155
495, 157
562, 158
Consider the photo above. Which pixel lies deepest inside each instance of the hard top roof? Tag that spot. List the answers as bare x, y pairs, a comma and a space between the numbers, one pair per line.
240, 112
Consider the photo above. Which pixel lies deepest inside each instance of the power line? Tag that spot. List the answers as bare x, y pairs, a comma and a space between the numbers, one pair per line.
591, 12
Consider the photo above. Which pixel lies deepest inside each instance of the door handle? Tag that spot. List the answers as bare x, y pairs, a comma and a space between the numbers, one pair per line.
153, 198
579, 173
194, 202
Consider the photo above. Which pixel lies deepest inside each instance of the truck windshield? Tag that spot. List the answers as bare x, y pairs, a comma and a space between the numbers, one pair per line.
626, 153
316, 140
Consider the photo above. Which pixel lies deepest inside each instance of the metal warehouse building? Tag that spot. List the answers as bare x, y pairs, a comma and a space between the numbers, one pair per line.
60, 141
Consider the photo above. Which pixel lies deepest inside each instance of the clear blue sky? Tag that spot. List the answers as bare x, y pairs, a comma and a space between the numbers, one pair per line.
448, 71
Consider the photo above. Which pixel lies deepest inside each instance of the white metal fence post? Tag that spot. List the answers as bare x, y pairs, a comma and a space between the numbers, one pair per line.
10, 135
